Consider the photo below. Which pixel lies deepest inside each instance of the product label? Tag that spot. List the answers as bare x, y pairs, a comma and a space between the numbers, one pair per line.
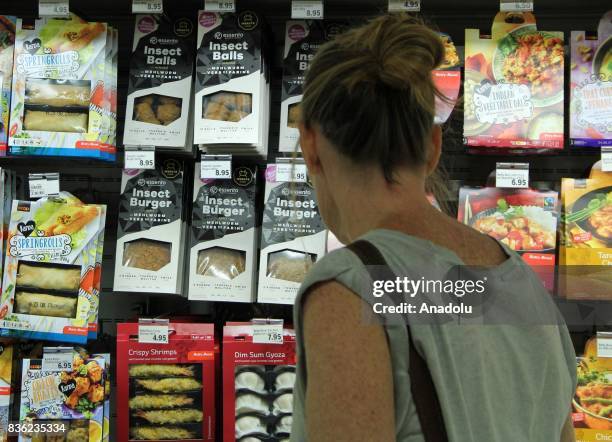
404, 5
139, 159
216, 169
503, 103
268, 333
594, 105
291, 172
53, 8
514, 6
152, 334
512, 178
220, 5
309, 9
606, 159
147, 6
63, 65
604, 347
58, 361
44, 186
39, 247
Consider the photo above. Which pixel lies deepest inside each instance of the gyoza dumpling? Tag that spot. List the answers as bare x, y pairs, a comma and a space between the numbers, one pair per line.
249, 425
251, 403
285, 380
250, 381
284, 425
283, 404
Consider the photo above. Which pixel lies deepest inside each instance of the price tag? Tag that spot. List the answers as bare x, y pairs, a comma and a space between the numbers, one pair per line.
268, 333
514, 6
147, 6
216, 168
291, 172
58, 360
311, 9
404, 5
604, 345
606, 159
140, 158
220, 5
53, 8
152, 334
512, 175
42, 185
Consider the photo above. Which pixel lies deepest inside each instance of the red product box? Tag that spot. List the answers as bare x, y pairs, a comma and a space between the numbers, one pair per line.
258, 382
166, 391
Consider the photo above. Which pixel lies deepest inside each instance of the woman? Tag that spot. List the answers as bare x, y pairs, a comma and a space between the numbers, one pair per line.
369, 141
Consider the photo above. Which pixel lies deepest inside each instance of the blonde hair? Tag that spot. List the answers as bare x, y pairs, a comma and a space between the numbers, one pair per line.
371, 92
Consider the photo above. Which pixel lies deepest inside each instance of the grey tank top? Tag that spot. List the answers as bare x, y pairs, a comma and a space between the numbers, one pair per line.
496, 383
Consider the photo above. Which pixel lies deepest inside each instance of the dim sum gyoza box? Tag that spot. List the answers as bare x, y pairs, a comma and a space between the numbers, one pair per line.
48, 291
166, 391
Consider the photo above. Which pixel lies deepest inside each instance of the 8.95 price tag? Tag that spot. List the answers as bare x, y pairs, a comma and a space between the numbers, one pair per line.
291, 172
267, 333
512, 175
147, 6
216, 169
53, 8
404, 5
152, 334
139, 159
57, 361
220, 5
310, 9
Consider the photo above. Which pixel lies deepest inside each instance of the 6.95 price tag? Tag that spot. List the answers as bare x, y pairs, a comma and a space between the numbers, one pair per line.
291, 172
53, 8
310, 9
152, 334
57, 361
606, 159
267, 333
220, 5
404, 5
139, 159
604, 345
147, 6
512, 175
216, 169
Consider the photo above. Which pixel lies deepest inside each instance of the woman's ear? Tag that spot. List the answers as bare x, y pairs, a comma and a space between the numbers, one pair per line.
309, 142
436, 149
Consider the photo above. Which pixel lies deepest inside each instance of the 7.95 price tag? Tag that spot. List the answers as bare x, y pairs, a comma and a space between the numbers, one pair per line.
53, 8
220, 5
147, 6
267, 333
404, 5
512, 176
152, 334
216, 169
310, 9
291, 172
57, 361
139, 159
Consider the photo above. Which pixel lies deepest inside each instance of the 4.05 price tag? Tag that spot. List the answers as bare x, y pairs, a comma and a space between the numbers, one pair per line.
53, 8
152, 334
60, 361
140, 159
291, 172
147, 6
404, 5
310, 9
267, 333
220, 5
216, 169
514, 176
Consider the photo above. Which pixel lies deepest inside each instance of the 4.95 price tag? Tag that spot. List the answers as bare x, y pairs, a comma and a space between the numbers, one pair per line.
512, 175
267, 333
53, 8
57, 361
147, 6
216, 169
220, 5
310, 9
140, 159
404, 5
152, 334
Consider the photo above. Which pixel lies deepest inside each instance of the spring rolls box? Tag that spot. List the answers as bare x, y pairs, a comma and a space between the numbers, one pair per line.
57, 103
141, 370
514, 86
74, 399
591, 413
585, 255
7, 45
591, 86
223, 255
231, 97
258, 382
6, 378
293, 238
159, 93
525, 220
149, 256
48, 288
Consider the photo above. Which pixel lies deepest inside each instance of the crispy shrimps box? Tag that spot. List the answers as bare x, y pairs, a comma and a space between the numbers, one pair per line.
166, 391
258, 382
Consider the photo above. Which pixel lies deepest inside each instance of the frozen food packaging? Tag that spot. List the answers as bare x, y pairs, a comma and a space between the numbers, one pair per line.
159, 92
525, 220
513, 86
223, 255
7, 46
258, 381
58, 105
73, 399
6, 379
591, 86
591, 412
293, 238
585, 255
48, 285
166, 391
151, 229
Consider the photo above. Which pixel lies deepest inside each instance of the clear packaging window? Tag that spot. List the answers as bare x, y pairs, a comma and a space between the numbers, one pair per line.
290, 265
221, 262
147, 254
157, 109
293, 115
227, 106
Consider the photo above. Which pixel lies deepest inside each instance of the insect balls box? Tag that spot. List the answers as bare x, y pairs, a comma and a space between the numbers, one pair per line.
258, 380
166, 391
